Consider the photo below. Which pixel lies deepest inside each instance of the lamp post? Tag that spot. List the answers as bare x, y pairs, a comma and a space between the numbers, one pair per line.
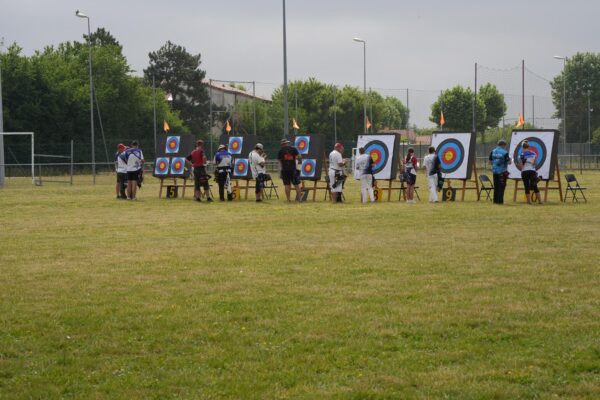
286, 122
82, 15
2, 171
359, 40
564, 98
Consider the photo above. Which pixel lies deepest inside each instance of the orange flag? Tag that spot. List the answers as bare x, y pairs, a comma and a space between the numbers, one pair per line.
368, 124
521, 121
227, 126
295, 124
442, 120
166, 126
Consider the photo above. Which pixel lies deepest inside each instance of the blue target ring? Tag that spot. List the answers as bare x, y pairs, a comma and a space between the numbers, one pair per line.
172, 144
302, 144
240, 167
535, 145
177, 166
161, 166
308, 168
451, 154
379, 153
236, 144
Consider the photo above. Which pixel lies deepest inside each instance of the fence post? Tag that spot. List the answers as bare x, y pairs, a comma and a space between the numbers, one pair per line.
71, 181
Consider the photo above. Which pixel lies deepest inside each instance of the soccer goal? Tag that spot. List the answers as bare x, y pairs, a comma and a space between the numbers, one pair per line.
3, 163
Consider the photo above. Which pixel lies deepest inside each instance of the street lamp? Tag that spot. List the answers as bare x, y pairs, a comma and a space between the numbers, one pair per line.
2, 169
286, 122
564, 98
359, 40
82, 15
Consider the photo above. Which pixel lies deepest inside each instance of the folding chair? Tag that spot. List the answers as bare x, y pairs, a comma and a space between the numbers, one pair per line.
572, 187
269, 184
486, 186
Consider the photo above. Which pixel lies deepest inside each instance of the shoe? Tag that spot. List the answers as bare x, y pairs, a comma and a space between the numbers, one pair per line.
258, 200
209, 200
198, 199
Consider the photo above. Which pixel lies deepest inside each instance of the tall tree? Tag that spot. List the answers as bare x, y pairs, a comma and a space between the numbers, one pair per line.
457, 105
495, 107
178, 73
581, 75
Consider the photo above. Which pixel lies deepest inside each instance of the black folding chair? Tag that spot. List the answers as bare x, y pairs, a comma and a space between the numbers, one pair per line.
269, 184
486, 186
572, 188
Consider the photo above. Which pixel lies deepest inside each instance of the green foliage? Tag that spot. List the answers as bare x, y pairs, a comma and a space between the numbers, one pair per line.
581, 75
457, 104
178, 73
495, 107
48, 93
596, 136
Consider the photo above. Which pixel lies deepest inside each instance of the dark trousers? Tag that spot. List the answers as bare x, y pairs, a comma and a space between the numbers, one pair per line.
530, 181
499, 187
224, 180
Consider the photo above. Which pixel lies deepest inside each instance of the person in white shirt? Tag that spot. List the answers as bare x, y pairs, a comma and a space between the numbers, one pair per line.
121, 168
336, 172
259, 169
431, 162
364, 172
135, 163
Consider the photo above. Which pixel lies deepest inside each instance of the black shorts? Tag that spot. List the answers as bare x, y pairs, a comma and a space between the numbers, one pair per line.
133, 176
410, 178
200, 178
530, 181
260, 182
290, 177
121, 177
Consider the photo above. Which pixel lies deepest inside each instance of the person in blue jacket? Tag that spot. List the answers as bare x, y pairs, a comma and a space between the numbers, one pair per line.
500, 160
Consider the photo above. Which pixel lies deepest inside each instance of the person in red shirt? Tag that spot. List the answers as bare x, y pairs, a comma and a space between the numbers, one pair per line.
410, 174
198, 160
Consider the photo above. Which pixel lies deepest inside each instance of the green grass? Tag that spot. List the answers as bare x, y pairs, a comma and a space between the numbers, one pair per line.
164, 299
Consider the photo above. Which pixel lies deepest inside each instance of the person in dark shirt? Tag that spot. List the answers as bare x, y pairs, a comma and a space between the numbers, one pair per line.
223, 162
198, 160
287, 158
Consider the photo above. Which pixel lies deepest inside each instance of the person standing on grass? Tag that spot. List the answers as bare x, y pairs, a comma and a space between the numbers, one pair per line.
528, 173
364, 172
258, 167
500, 161
135, 169
336, 172
287, 158
223, 160
198, 160
121, 168
410, 174
432, 168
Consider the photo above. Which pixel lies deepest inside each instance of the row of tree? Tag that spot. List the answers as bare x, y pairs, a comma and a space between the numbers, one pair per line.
48, 93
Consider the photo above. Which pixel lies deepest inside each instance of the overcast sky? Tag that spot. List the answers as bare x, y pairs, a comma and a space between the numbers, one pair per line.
426, 44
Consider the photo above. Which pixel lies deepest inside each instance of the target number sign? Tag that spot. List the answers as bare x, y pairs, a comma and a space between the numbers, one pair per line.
177, 166
161, 166
378, 194
302, 144
235, 193
308, 168
448, 194
172, 144
172, 192
236, 144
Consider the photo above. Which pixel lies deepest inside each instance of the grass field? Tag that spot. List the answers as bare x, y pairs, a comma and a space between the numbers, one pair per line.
157, 299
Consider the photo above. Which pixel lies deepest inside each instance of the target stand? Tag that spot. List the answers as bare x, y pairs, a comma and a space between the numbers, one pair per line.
555, 180
467, 184
176, 184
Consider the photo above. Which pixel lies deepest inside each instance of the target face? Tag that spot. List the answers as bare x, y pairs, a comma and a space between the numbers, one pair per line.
177, 166
379, 153
161, 166
308, 168
302, 143
236, 144
451, 154
172, 145
240, 167
536, 146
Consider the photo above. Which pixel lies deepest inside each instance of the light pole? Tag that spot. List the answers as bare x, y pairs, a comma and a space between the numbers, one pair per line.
286, 122
564, 98
82, 15
359, 40
2, 171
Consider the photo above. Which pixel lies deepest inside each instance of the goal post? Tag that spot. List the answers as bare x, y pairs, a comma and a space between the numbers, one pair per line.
2, 159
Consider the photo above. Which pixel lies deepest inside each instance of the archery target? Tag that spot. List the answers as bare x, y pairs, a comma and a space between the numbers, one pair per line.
542, 143
172, 144
384, 150
177, 166
379, 153
302, 143
161, 166
240, 167
236, 144
308, 168
455, 152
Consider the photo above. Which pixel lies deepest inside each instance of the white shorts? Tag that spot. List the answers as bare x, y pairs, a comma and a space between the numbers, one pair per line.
337, 189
